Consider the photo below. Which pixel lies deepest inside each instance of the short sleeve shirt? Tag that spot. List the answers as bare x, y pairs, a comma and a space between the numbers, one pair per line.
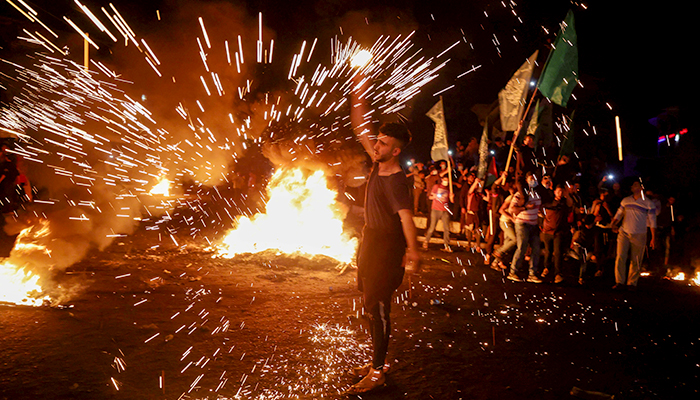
385, 196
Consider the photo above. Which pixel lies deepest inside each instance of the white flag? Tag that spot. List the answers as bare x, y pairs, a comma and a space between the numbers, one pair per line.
512, 97
439, 150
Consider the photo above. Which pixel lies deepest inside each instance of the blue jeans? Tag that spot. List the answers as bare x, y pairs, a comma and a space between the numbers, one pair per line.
509, 239
526, 234
435, 215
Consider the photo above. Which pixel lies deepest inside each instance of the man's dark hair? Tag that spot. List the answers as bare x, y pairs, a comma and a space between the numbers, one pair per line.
397, 131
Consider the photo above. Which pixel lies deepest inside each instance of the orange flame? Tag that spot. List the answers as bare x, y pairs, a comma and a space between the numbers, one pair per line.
302, 217
162, 188
18, 285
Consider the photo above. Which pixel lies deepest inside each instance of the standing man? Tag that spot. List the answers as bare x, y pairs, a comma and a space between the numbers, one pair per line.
524, 207
635, 214
555, 229
440, 211
389, 234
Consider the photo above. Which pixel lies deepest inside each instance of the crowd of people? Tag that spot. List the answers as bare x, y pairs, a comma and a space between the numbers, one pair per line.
563, 218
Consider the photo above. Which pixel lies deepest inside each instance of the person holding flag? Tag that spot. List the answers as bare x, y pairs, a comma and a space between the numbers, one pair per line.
556, 82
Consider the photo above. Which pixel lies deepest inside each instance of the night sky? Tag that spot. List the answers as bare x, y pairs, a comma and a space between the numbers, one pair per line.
632, 58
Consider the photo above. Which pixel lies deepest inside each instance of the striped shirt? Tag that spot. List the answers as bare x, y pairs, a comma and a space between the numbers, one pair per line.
636, 215
528, 215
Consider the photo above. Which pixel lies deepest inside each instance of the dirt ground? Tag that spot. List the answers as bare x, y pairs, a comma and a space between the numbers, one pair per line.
177, 323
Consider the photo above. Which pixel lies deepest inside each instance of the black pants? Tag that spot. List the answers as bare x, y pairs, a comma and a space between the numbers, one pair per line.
380, 330
553, 251
379, 274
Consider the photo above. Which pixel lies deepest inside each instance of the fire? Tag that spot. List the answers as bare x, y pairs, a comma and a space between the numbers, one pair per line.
162, 188
692, 279
302, 216
17, 284
679, 277
696, 279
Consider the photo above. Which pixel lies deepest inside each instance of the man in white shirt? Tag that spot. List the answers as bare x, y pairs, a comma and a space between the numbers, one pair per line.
634, 215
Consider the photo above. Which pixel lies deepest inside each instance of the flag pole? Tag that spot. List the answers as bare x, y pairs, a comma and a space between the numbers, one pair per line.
520, 127
449, 166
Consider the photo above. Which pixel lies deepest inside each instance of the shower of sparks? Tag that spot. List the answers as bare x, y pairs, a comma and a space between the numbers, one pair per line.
83, 127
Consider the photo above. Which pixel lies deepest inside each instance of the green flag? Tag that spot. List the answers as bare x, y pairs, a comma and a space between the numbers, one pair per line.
567, 144
560, 73
541, 123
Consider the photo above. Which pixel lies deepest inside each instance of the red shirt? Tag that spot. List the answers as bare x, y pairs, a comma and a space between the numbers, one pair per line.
441, 197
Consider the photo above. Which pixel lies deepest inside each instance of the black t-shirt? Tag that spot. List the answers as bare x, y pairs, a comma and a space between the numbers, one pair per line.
385, 196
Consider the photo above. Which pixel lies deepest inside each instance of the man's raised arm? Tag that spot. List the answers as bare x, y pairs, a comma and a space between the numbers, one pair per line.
360, 114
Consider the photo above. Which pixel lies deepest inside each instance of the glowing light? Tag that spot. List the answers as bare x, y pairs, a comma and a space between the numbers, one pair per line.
302, 217
162, 188
679, 277
695, 280
360, 59
18, 285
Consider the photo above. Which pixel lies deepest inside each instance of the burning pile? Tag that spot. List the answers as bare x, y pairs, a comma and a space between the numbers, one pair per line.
18, 284
302, 217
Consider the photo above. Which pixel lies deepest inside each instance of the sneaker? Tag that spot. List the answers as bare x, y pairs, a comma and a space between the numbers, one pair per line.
558, 279
447, 249
494, 266
514, 278
545, 272
374, 379
534, 279
581, 281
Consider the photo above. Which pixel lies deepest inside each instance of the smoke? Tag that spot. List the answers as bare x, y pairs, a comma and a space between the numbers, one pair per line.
209, 126
54, 237
343, 164
210, 104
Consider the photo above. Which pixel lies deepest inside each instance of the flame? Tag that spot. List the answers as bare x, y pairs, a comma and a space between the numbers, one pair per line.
18, 285
679, 276
696, 279
302, 217
162, 188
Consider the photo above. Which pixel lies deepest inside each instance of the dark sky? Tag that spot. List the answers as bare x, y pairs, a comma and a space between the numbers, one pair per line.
631, 57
